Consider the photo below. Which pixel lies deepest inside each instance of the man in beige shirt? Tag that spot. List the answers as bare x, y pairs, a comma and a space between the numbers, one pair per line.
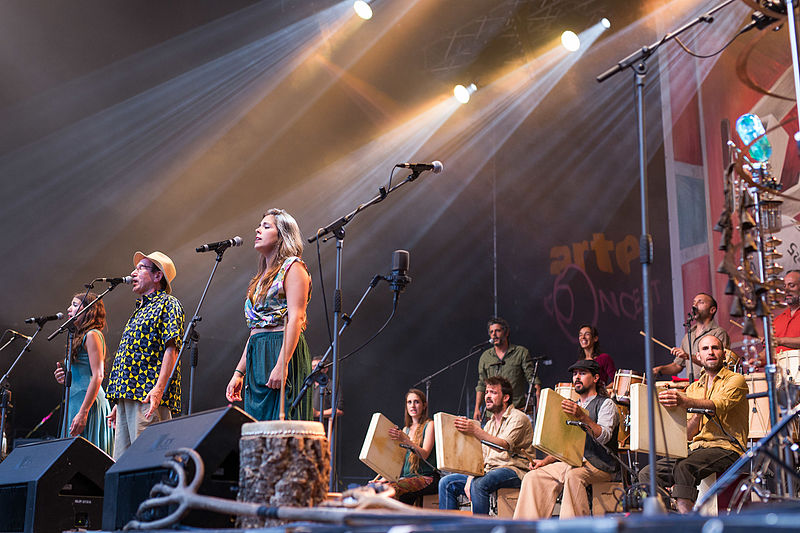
717, 439
508, 428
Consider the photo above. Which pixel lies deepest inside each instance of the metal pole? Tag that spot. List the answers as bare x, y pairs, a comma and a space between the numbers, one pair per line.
651, 505
337, 316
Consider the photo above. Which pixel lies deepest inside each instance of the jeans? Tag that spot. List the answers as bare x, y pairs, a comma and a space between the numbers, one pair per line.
451, 486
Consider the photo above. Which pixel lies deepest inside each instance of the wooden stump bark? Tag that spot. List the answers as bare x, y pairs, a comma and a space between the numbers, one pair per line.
282, 463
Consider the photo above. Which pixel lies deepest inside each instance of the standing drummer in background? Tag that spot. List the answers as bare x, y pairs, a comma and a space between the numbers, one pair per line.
506, 360
589, 341
787, 324
705, 307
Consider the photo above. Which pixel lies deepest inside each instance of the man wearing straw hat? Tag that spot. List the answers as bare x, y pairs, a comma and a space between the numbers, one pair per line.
147, 352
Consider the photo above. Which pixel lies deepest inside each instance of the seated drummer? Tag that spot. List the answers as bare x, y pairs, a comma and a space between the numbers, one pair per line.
419, 476
542, 485
706, 308
716, 441
507, 427
589, 341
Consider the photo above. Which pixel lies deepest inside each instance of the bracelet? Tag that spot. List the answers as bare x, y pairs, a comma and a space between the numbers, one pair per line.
239, 371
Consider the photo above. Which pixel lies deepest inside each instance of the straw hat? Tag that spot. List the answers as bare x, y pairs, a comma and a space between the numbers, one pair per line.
163, 262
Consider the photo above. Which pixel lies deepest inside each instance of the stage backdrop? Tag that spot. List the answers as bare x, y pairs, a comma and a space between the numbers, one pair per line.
165, 127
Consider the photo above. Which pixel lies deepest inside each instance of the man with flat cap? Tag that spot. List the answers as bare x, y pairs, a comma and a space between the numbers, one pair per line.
147, 353
542, 485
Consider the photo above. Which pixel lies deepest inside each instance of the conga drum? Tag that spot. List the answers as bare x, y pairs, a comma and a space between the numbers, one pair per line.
789, 363
282, 463
623, 380
567, 390
758, 418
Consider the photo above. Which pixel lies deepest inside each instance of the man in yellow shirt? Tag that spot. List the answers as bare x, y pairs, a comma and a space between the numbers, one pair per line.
717, 438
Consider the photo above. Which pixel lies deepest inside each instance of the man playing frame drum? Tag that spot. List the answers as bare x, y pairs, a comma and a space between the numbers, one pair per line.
718, 434
508, 428
542, 485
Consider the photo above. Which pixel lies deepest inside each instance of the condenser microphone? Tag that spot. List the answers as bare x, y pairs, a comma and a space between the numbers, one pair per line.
434, 167
43, 319
399, 278
220, 246
576, 423
117, 281
699, 411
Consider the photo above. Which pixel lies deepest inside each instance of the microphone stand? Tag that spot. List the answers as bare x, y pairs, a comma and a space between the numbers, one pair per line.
688, 326
5, 391
415, 452
336, 228
637, 62
314, 375
191, 336
69, 327
634, 474
478, 348
531, 385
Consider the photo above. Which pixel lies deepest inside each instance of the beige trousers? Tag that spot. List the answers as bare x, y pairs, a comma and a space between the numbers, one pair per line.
131, 421
541, 487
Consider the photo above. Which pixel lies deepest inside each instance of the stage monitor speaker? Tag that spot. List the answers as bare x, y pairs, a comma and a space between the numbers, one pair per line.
53, 486
213, 434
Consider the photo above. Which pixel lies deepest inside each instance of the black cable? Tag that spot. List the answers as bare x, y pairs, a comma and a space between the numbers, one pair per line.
757, 23
394, 308
324, 298
715, 419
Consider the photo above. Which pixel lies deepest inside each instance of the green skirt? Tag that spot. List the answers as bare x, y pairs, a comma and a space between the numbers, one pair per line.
262, 402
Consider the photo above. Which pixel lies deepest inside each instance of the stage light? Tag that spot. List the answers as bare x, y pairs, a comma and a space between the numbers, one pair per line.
362, 9
462, 93
605, 23
570, 41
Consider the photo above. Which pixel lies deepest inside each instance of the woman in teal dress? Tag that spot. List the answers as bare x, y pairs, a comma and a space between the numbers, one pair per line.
419, 476
88, 406
275, 312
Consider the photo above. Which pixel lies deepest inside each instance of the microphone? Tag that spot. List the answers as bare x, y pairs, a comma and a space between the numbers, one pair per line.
694, 311
399, 278
698, 411
117, 281
18, 334
434, 167
576, 423
493, 445
220, 246
44, 319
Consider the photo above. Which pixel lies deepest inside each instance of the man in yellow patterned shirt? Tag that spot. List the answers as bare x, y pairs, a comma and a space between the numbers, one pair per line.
150, 343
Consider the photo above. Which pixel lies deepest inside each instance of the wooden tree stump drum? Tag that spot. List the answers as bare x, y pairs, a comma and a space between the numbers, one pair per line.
282, 463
